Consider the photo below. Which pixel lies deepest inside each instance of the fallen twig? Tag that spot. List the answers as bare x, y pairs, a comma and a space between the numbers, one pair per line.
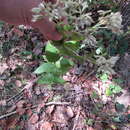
47, 104
19, 95
57, 103
76, 118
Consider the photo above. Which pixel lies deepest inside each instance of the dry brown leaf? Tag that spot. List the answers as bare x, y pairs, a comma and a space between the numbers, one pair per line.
60, 115
40, 106
3, 123
37, 90
2, 83
97, 126
18, 32
34, 118
20, 104
3, 67
29, 112
20, 111
90, 128
11, 123
46, 126
2, 102
12, 108
50, 109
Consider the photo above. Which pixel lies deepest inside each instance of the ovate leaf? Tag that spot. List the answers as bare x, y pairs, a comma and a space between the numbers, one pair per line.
46, 79
104, 77
65, 63
73, 45
52, 53
59, 80
67, 28
46, 67
108, 92
50, 78
76, 36
115, 88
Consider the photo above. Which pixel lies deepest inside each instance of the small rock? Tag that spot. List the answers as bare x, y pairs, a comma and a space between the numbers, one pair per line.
70, 112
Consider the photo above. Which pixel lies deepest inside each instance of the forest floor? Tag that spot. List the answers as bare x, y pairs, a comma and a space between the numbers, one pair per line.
82, 103
87, 101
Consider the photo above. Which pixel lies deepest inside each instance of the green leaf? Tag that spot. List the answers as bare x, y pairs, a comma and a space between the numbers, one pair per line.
66, 51
1, 24
99, 50
59, 80
36, 10
74, 36
17, 127
59, 27
50, 78
74, 45
118, 81
26, 53
52, 53
108, 92
117, 119
46, 79
115, 88
67, 28
46, 67
95, 95
104, 77
90, 122
24, 117
65, 63
128, 117
119, 107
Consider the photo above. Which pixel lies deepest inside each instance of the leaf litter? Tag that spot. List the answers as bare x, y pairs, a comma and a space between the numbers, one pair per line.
81, 104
